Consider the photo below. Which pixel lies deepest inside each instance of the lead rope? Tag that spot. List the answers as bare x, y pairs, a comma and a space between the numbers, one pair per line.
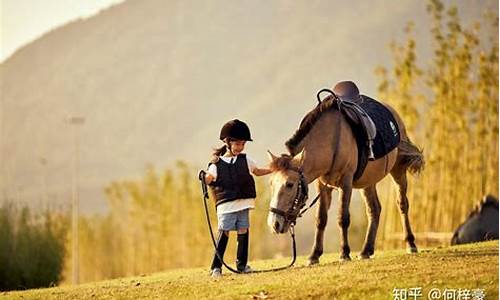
201, 176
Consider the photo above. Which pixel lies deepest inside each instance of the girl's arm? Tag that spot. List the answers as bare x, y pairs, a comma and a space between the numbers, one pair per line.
255, 170
211, 174
261, 172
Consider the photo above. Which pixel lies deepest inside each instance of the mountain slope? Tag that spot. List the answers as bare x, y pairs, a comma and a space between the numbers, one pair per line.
155, 80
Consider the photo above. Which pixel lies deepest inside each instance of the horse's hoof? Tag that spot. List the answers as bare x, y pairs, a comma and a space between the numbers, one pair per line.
363, 256
345, 258
411, 250
312, 261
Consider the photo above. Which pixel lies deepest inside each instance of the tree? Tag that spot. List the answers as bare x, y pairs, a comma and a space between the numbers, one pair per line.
454, 118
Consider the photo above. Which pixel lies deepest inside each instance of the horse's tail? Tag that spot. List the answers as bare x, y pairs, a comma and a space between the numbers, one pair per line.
412, 156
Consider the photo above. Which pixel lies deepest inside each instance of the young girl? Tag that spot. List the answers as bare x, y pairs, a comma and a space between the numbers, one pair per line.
229, 177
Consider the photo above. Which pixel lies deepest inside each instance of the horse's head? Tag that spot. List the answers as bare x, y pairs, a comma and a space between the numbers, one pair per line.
288, 192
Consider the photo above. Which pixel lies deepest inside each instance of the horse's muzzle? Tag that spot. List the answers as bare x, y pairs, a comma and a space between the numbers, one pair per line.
277, 223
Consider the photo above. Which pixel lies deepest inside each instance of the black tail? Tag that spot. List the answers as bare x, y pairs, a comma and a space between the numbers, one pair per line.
413, 157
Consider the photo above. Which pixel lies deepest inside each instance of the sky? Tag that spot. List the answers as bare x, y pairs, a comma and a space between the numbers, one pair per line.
19, 26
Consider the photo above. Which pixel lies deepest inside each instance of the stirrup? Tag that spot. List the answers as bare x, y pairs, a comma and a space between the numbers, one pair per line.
371, 156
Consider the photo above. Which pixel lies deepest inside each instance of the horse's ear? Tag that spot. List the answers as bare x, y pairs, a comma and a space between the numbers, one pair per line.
271, 156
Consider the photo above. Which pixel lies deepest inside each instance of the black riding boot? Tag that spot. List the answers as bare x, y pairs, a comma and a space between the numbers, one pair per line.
242, 253
221, 248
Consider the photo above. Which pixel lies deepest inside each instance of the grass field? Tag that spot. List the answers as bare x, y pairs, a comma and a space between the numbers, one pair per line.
469, 267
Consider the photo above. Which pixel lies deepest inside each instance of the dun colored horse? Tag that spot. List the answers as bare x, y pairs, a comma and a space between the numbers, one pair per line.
324, 148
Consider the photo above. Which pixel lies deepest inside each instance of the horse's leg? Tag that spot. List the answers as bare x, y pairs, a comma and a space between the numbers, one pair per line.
325, 201
343, 217
398, 173
373, 209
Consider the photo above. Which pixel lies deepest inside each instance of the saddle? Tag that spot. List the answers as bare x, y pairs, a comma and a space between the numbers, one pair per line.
374, 127
357, 116
348, 99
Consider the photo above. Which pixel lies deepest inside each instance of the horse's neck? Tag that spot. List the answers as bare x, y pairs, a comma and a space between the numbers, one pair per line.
318, 150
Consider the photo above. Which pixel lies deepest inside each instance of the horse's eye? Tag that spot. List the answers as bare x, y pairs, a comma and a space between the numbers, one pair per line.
289, 185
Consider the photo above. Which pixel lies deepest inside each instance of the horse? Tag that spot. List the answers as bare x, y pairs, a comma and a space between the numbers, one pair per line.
481, 224
324, 149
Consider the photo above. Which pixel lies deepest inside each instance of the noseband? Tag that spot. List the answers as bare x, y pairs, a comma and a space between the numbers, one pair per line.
299, 201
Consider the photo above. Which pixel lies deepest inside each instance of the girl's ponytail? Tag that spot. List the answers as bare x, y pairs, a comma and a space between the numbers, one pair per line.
223, 149
220, 151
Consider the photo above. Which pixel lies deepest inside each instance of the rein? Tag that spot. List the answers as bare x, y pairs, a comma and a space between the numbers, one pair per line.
201, 177
299, 202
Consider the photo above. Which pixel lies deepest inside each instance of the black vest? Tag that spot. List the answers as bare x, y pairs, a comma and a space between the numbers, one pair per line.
234, 181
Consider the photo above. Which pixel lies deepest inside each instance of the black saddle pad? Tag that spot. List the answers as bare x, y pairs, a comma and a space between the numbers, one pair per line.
387, 138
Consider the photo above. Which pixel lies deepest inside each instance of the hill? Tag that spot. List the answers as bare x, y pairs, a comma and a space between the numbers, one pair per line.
156, 79
468, 267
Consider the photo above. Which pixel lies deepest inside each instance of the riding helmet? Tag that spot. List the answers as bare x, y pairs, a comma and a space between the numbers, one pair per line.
235, 129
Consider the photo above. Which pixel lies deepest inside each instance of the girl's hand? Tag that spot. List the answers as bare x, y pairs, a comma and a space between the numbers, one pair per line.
208, 178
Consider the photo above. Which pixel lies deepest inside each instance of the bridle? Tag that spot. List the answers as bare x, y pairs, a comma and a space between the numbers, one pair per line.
301, 195
299, 201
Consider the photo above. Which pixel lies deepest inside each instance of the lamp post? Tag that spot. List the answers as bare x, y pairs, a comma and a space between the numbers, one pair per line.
74, 122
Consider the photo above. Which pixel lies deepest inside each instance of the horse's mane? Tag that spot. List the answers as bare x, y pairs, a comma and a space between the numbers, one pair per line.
307, 124
487, 201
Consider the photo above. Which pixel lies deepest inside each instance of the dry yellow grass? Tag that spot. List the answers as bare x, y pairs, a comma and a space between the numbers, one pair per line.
469, 267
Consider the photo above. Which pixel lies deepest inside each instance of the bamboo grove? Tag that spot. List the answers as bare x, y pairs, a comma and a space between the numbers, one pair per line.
157, 223
450, 105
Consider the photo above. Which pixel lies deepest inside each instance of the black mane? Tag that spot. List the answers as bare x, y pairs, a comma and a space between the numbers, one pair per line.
308, 122
487, 201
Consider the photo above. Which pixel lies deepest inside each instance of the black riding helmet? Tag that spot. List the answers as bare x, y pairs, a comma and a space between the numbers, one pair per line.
235, 129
